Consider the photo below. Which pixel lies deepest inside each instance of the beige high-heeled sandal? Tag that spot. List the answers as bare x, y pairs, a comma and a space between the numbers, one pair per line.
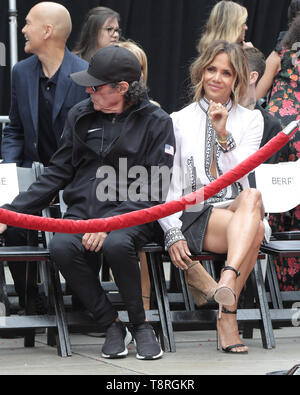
224, 295
200, 283
228, 349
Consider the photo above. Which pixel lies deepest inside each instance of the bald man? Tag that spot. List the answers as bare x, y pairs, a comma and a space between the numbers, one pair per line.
42, 93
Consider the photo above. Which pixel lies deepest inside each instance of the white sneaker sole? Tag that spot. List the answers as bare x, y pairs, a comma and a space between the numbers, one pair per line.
148, 358
122, 354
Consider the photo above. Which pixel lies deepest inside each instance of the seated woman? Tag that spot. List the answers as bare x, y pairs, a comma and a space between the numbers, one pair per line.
214, 134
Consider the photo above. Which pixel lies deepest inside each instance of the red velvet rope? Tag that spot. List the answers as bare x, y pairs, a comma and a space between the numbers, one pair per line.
150, 214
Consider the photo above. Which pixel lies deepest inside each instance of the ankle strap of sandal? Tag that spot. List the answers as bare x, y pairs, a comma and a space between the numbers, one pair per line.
233, 269
226, 311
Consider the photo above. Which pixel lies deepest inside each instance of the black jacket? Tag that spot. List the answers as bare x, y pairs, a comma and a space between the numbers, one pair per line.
21, 135
271, 128
146, 140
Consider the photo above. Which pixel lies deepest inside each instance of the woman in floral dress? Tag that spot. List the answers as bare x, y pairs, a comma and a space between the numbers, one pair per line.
284, 103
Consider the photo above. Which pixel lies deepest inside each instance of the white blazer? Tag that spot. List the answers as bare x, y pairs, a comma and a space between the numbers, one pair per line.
195, 146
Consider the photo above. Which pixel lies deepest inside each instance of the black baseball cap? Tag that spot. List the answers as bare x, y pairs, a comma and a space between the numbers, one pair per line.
108, 65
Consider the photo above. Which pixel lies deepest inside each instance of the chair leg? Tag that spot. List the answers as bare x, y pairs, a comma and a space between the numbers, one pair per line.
44, 277
60, 309
273, 283
154, 273
267, 333
248, 303
55, 338
187, 297
165, 300
5, 310
51, 332
63, 343
60, 303
30, 298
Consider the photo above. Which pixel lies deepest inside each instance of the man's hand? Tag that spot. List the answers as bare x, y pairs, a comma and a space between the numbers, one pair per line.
93, 241
180, 254
3, 228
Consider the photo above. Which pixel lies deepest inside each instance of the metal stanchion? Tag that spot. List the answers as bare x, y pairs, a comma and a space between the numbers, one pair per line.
13, 32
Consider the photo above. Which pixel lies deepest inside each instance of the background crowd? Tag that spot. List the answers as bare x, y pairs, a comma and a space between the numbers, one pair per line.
168, 31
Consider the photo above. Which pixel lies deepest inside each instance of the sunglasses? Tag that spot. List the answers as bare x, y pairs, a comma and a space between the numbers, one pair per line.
95, 88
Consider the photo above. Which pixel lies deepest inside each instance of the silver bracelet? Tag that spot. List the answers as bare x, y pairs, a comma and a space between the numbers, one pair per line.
172, 236
230, 143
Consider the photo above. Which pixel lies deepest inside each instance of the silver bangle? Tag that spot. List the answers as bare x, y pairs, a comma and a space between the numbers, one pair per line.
172, 236
230, 144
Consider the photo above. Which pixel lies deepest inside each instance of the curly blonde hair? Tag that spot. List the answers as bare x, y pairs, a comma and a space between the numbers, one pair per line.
237, 60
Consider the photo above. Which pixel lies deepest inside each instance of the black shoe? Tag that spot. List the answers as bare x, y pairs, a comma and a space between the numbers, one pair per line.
147, 346
117, 339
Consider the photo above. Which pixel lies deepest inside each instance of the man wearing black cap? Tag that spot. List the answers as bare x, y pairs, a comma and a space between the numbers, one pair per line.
110, 145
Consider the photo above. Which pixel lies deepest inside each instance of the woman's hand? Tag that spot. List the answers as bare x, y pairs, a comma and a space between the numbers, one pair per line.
93, 241
180, 254
247, 44
218, 117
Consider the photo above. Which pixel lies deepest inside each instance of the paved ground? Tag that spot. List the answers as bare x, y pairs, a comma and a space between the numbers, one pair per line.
196, 355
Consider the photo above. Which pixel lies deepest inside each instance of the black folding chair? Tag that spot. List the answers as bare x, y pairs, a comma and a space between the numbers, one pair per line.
256, 309
283, 244
33, 255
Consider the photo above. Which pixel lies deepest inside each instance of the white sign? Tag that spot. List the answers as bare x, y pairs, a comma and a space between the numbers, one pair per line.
9, 187
279, 185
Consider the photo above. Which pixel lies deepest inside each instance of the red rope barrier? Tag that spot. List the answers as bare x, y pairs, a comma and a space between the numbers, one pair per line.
153, 213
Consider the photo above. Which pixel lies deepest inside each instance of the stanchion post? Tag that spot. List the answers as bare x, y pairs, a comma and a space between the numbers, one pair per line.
13, 32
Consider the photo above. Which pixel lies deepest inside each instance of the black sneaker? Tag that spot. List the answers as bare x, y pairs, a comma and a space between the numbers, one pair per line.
117, 339
147, 346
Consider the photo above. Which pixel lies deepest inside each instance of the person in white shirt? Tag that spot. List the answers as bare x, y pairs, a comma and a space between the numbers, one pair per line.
213, 135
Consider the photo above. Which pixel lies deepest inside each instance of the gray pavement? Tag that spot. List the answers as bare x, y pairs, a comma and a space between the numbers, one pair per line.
196, 355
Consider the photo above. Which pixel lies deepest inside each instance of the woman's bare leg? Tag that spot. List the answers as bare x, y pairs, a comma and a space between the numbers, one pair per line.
239, 232
227, 325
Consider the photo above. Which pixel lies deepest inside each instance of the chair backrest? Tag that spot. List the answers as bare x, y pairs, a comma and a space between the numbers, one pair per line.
279, 185
26, 176
14, 180
19, 179
8, 182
